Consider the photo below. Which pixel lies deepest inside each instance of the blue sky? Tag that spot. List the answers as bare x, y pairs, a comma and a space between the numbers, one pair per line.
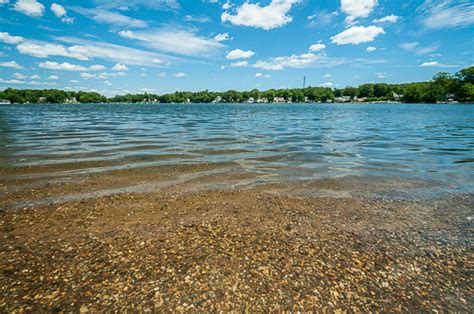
159, 46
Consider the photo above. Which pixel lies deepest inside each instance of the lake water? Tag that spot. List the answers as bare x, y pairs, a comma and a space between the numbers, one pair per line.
429, 144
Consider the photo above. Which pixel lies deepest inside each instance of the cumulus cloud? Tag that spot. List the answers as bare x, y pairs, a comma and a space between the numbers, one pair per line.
387, 19
20, 82
357, 35
53, 77
61, 13
371, 49
222, 37
274, 15
262, 75
101, 76
357, 9
439, 14
19, 76
66, 66
29, 7
10, 64
179, 41
58, 10
239, 54
8, 39
180, 74
120, 67
317, 47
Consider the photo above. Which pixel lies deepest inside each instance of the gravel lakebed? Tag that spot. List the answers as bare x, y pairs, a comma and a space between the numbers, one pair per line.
260, 248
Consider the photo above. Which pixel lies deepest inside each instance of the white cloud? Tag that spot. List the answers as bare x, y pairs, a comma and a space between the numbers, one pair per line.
4, 1
439, 14
10, 64
180, 74
226, 6
371, 49
409, 46
274, 15
101, 76
109, 17
131, 56
317, 47
415, 47
239, 64
8, 39
66, 66
128, 5
357, 9
427, 49
85, 50
321, 19
387, 19
53, 77
381, 75
19, 76
200, 19
357, 35
327, 84
35, 77
262, 75
58, 10
29, 7
436, 64
293, 61
156, 61
327, 75
97, 67
179, 41
74, 81
44, 50
35, 83
239, 54
61, 13
222, 37
88, 75
120, 67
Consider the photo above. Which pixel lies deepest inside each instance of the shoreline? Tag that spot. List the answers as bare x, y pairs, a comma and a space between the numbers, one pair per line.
246, 103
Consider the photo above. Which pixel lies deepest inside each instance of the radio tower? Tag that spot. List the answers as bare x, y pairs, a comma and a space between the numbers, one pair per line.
304, 81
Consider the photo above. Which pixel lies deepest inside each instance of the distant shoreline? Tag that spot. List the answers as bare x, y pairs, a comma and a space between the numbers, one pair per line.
443, 88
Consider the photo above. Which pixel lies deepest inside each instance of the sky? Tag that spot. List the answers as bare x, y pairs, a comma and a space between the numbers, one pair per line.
161, 46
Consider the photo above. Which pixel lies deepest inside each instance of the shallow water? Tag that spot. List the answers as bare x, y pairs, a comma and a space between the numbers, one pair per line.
426, 149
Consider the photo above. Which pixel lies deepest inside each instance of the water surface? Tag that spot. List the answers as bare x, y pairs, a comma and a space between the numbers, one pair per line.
428, 148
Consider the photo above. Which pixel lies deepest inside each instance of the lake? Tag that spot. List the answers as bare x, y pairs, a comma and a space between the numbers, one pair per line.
412, 150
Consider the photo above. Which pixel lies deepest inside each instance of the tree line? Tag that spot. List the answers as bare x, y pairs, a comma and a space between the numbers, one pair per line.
443, 87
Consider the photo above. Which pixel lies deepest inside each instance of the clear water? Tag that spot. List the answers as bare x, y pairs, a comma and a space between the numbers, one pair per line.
428, 143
